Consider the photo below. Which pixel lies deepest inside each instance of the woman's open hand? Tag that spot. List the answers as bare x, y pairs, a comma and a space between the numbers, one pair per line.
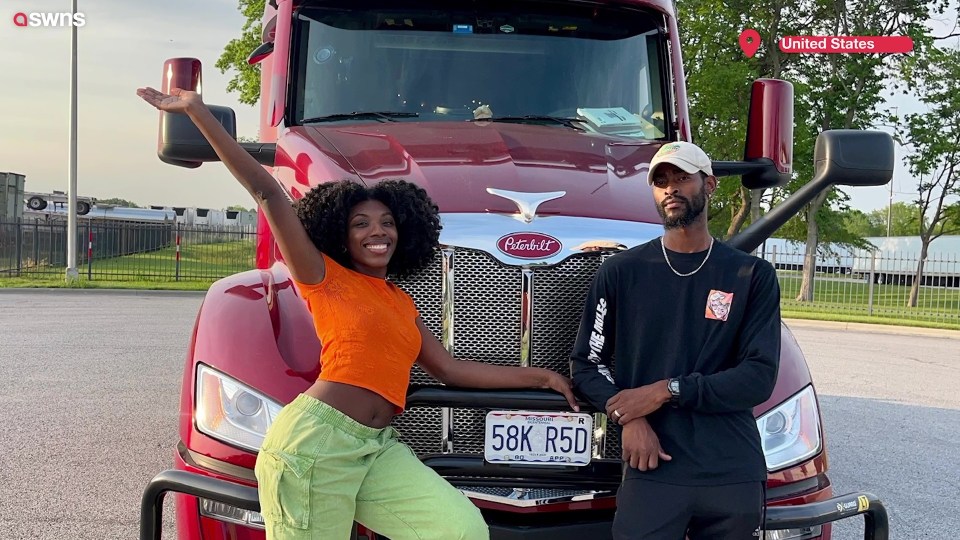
177, 101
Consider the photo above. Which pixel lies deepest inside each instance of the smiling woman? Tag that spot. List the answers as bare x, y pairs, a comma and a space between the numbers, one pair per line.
341, 241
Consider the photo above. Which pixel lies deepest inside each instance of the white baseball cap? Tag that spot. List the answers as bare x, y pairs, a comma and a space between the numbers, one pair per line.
688, 156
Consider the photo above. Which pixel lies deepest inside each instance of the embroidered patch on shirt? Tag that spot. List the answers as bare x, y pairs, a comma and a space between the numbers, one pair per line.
718, 305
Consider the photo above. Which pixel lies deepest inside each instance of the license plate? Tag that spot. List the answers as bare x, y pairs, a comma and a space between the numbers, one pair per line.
538, 438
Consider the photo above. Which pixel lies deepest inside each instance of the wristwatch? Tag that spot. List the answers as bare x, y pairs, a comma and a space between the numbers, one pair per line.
673, 386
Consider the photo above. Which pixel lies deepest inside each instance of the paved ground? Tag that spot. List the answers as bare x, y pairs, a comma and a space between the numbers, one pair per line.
90, 388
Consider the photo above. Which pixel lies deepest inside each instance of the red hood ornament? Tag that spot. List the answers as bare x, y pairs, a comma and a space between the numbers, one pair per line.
529, 245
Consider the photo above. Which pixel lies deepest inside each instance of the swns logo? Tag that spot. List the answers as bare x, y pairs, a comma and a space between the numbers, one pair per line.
47, 19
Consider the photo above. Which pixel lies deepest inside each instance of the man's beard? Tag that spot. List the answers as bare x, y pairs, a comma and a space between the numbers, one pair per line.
693, 208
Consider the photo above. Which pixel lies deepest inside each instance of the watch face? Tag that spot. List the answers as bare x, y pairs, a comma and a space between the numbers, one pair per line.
674, 386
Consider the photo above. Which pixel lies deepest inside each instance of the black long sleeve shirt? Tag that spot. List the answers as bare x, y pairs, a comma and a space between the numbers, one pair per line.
718, 330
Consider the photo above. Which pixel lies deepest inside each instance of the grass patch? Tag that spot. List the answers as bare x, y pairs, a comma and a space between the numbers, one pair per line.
197, 261
848, 300
786, 313
52, 282
847, 292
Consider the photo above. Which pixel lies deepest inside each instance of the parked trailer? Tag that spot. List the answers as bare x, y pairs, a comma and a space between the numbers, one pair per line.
896, 257
40, 201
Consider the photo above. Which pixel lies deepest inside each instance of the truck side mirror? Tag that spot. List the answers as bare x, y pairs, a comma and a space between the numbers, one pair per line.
770, 134
853, 157
181, 143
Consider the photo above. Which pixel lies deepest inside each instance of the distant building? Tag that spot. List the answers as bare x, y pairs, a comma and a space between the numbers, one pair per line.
11, 196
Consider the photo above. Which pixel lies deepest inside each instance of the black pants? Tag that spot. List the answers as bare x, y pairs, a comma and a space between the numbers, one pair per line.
656, 511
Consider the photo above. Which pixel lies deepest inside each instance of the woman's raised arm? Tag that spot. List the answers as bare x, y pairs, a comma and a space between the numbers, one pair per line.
299, 252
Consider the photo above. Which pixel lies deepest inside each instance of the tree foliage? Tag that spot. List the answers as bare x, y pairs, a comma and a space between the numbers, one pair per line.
933, 141
116, 201
904, 221
246, 78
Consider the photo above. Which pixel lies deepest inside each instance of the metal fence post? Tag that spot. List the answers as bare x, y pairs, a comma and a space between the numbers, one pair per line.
178, 252
53, 236
19, 225
89, 251
36, 242
873, 271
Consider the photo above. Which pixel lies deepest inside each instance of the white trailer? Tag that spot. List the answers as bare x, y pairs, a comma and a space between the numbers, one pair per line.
40, 201
896, 257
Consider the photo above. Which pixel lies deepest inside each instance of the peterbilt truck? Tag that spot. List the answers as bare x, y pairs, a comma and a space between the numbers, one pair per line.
531, 124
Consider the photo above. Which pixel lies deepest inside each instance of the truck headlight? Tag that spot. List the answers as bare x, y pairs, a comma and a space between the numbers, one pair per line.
790, 432
231, 411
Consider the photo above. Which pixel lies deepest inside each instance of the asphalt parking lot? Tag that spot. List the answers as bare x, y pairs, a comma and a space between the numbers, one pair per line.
90, 388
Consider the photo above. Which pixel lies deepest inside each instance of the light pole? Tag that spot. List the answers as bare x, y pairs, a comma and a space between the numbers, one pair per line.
896, 132
72, 273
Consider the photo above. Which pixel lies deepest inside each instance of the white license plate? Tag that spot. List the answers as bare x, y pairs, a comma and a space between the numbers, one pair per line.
538, 438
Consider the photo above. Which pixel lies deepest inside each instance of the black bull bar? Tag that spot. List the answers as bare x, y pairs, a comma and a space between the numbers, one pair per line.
471, 470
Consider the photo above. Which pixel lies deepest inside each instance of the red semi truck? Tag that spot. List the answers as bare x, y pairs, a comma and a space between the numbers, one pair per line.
531, 123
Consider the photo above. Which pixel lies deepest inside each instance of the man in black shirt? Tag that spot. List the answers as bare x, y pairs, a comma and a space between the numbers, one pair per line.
694, 327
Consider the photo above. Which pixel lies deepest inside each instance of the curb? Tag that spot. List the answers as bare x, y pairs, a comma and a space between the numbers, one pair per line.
874, 328
111, 292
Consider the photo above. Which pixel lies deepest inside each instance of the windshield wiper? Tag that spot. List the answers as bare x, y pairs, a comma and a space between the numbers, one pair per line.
573, 123
383, 116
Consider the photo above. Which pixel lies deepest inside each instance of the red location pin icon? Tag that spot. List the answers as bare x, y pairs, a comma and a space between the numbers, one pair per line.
749, 42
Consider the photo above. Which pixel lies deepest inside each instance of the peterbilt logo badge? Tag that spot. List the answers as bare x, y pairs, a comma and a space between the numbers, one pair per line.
529, 245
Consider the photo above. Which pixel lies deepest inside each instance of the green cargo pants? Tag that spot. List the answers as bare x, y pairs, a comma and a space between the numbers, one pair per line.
319, 471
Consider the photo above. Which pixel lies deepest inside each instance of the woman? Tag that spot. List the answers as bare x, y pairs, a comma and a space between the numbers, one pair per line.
331, 456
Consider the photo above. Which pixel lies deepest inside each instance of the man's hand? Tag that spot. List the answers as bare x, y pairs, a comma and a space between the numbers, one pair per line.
628, 405
641, 447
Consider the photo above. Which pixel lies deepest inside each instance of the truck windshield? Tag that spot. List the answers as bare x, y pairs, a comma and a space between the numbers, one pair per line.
598, 65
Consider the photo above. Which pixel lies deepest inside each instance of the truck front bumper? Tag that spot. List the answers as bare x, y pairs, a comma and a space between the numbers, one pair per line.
876, 523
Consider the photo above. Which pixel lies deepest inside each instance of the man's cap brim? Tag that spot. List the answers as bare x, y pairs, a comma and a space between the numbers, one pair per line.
683, 164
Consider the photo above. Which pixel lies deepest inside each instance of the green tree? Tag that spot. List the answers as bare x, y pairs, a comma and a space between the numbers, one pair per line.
719, 78
862, 224
933, 139
246, 78
845, 92
115, 201
240, 208
904, 221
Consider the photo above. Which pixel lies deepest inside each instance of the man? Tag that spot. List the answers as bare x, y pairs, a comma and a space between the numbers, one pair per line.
694, 326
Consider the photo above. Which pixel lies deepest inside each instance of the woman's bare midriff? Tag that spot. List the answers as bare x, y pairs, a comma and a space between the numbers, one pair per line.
364, 406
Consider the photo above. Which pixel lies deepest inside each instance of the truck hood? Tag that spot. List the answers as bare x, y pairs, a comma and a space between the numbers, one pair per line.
602, 177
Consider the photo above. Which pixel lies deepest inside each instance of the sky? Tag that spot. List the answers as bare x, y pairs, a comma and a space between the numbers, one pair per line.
122, 46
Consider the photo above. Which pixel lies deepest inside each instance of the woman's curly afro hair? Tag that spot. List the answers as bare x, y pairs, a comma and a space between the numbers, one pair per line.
325, 209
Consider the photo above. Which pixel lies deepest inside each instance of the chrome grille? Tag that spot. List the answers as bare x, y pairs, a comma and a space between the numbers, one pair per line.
424, 288
421, 429
612, 447
523, 494
487, 327
559, 294
468, 428
486, 309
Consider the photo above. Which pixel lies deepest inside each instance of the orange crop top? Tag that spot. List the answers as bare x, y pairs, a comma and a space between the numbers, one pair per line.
367, 329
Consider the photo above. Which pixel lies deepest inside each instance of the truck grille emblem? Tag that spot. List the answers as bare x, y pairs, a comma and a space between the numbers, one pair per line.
529, 245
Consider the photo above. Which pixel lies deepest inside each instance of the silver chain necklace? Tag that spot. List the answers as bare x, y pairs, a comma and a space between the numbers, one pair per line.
664, 249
